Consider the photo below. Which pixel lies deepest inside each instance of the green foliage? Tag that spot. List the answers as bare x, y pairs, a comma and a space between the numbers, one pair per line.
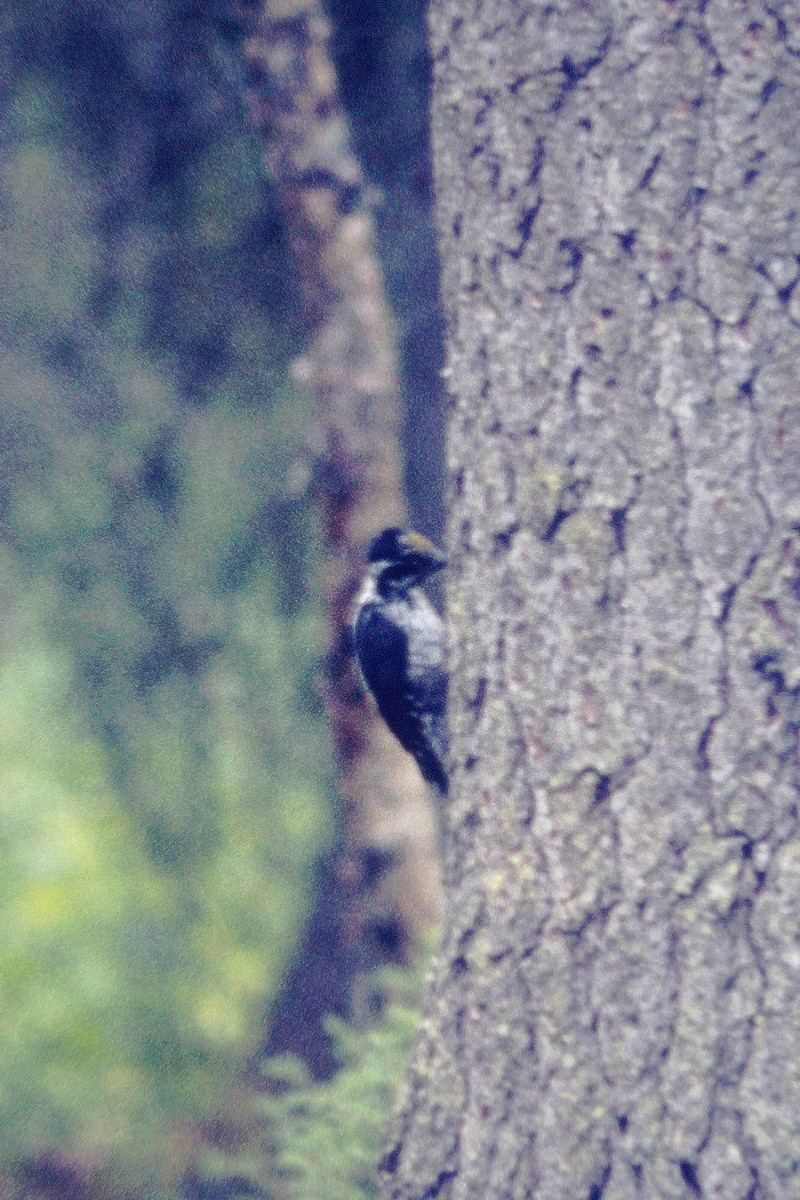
323, 1140
333, 1132
162, 770
162, 762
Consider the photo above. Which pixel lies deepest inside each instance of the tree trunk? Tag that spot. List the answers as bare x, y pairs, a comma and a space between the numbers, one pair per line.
391, 871
616, 1008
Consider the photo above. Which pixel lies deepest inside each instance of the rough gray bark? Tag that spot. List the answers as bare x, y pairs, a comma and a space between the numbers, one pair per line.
616, 1009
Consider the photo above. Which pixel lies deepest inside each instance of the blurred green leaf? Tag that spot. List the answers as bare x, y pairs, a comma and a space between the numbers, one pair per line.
163, 773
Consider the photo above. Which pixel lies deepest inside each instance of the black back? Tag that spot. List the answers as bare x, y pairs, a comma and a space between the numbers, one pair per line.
414, 709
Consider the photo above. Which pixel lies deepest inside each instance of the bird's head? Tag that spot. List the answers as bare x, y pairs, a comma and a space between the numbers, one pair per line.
401, 559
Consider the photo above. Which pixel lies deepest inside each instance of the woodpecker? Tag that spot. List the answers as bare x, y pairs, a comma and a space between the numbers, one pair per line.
400, 645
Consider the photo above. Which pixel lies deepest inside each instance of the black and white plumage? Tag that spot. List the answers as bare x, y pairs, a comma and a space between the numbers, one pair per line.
400, 645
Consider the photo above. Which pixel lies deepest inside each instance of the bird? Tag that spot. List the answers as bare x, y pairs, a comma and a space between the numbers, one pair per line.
400, 644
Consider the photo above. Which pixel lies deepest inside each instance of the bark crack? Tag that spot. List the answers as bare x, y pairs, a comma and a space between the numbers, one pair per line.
575, 71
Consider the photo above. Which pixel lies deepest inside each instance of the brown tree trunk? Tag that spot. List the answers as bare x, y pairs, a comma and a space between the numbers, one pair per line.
350, 363
616, 1009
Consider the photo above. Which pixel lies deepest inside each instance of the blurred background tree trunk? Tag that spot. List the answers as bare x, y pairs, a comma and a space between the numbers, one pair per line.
389, 868
616, 1008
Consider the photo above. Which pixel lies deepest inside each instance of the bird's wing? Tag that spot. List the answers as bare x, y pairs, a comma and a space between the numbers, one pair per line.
412, 703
